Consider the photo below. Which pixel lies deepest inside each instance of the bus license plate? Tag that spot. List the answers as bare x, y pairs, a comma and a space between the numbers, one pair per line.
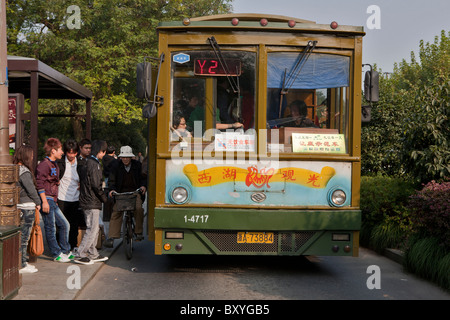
255, 237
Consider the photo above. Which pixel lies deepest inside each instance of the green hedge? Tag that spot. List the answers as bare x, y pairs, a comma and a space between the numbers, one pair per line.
395, 215
429, 259
385, 218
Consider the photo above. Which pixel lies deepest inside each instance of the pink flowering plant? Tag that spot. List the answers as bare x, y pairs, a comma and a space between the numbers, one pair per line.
430, 211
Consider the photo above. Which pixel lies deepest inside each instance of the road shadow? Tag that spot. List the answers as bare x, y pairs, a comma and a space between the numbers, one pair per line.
146, 261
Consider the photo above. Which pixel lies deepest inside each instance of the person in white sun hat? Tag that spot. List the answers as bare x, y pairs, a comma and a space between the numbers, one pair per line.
127, 176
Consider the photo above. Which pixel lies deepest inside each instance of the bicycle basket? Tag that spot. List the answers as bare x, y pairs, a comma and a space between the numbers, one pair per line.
125, 202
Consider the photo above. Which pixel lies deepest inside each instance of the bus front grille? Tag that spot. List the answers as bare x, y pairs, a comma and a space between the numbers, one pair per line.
284, 242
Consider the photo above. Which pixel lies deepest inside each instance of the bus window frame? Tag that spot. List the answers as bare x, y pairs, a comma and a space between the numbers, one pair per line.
334, 51
210, 84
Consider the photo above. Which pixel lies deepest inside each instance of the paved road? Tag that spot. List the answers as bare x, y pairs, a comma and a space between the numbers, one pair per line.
147, 276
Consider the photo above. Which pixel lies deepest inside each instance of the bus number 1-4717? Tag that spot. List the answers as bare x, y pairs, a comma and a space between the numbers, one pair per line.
196, 218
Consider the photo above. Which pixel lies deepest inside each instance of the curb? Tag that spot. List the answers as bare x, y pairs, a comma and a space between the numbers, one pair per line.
394, 254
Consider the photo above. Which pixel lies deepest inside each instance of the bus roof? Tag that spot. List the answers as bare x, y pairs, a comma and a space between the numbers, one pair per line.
255, 21
250, 17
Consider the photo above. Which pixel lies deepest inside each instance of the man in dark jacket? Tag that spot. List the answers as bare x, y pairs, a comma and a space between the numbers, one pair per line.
85, 152
91, 199
109, 162
127, 176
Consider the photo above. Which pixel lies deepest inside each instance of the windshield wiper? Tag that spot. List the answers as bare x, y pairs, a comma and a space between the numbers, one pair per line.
294, 73
234, 83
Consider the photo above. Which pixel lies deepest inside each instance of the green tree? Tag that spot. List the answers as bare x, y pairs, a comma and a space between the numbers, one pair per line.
410, 133
426, 142
102, 51
381, 142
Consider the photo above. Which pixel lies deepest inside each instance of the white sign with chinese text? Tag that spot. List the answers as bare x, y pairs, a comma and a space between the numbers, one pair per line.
318, 143
234, 141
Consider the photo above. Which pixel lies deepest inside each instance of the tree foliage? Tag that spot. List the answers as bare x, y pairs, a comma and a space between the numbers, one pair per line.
101, 52
410, 133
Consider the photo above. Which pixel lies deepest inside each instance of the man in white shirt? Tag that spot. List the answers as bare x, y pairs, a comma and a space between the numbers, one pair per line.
69, 190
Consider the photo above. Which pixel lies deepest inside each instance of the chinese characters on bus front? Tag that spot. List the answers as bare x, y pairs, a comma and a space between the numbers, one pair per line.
311, 143
234, 141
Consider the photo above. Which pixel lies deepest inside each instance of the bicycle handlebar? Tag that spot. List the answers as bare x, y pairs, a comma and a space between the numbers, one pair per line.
129, 193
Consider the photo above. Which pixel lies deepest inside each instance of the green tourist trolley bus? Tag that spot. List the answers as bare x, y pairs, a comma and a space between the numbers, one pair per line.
254, 136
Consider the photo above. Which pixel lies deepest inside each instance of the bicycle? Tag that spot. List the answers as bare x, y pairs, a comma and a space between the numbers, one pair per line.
126, 203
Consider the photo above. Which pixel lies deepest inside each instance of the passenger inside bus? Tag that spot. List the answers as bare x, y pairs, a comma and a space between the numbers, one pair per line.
322, 115
298, 114
194, 111
179, 131
224, 100
198, 114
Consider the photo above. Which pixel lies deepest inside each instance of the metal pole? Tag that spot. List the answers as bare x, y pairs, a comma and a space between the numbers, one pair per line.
88, 134
34, 102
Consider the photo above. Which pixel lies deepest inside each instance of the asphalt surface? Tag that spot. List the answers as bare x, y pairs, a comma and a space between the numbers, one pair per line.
59, 281
65, 281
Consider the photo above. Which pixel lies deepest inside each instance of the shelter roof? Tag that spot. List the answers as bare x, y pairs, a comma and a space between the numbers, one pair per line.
52, 83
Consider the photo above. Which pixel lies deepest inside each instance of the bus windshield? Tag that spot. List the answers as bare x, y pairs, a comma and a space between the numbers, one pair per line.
309, 107
211, 94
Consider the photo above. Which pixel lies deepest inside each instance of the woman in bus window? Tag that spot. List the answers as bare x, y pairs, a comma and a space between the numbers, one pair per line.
179, 130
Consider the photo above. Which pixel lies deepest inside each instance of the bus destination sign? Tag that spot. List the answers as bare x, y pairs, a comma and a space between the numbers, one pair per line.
213, 67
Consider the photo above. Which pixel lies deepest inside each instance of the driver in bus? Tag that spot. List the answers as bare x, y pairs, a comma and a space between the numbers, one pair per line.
298, 114
198, 114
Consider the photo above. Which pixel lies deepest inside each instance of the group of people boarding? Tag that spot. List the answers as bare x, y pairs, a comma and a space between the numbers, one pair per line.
67, 190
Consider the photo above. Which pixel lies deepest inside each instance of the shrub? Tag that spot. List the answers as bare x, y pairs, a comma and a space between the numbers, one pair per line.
443, 274
382, 196
385, 220
430, 211
426, 258
385, 235
393, 231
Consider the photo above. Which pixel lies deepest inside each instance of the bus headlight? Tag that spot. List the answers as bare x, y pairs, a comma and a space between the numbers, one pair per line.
337, 197
179, 195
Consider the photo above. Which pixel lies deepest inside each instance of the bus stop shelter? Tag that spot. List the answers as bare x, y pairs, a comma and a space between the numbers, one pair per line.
35, 80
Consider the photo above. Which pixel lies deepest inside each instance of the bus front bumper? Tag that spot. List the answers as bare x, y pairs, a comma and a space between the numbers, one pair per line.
224, 231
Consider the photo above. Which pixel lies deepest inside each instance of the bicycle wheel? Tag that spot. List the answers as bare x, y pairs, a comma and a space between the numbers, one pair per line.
128, 236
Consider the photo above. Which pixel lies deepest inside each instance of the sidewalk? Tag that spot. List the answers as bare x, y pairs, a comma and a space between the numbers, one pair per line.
59, 281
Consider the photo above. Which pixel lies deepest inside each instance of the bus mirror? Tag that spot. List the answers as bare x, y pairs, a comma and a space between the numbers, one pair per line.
147, 86
371, 86
366, 113
144, 80
149, 111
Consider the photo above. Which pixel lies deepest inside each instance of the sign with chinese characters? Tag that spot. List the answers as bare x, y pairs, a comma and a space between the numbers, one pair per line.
258, 178
12, 117
234, 141
318, 143
288, 183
